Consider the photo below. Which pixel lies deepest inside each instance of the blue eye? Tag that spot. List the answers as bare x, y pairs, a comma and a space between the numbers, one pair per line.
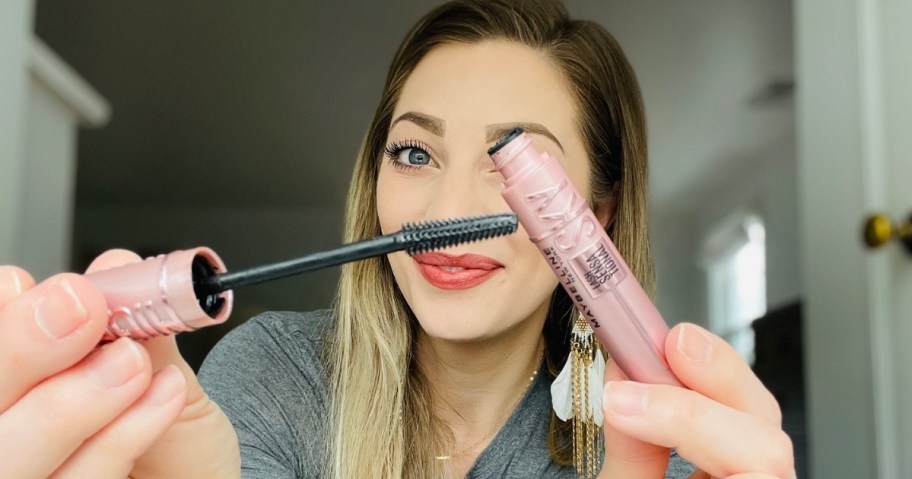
414, 156
408, 155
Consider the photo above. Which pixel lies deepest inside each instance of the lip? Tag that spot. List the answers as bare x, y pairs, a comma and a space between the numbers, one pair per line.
476, 269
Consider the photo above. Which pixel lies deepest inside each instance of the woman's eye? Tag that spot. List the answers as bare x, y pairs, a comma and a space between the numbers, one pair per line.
414, 156
409, 155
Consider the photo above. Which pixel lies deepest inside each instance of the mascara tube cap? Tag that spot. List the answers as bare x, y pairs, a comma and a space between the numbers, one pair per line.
512, 157
156, 297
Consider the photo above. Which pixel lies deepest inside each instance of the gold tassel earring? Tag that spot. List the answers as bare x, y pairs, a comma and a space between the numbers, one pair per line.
576, 394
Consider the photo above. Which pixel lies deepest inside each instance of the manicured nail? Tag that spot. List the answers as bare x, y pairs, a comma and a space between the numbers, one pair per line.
626, 398
116, 363
171, 382
694, 344
59, 312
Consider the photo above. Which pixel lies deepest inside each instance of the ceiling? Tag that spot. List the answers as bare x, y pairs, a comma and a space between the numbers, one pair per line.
238, 103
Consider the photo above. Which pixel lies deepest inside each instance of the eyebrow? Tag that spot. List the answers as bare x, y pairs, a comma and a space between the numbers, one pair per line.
500, 130
430, 123
492, 133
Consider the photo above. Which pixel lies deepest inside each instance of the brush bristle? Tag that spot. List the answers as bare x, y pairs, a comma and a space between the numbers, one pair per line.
439, 234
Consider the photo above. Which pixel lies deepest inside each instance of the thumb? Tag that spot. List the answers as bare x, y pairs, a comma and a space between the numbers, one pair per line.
626, 456
113, 258
163, 351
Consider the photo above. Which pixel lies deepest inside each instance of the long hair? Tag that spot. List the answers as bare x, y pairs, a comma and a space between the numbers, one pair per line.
381, 419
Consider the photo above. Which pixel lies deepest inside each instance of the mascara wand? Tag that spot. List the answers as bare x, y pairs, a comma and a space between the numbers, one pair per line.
189, 289
413, 238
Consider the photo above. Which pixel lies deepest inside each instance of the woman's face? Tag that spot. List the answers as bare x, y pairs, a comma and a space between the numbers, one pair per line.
458, 101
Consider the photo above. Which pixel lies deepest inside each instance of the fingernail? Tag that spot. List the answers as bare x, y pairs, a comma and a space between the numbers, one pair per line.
11, 282
626, 398
59, 312
116, 363
694, 344
171, 383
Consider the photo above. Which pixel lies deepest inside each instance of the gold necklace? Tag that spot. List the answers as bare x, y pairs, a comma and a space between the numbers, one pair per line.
503, 418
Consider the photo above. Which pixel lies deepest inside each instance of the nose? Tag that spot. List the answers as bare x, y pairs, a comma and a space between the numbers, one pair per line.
464, 192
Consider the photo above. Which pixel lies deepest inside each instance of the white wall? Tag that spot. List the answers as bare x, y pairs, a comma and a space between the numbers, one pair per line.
15, 32
48, 177
854, 157
768, 187
42, 104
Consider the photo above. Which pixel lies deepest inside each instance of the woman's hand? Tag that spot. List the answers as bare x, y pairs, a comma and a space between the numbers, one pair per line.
727, 423
71, 409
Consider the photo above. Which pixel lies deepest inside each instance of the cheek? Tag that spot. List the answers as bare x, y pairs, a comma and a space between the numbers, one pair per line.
536, 272
397, 202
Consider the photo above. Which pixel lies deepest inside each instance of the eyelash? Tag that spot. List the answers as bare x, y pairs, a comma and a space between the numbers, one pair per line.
393, 150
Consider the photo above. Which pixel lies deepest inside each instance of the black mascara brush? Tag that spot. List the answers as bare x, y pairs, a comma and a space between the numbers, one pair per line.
189, 289
412, 238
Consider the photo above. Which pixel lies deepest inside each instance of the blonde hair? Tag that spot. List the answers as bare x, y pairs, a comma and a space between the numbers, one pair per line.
381, 420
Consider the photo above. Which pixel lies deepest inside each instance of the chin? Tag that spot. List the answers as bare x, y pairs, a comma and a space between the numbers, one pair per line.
460, 324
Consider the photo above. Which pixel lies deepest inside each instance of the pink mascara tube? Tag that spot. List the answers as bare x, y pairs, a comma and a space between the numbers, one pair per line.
586, 262
159, 297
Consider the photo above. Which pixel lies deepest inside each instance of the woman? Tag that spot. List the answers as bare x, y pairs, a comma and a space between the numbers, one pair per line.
437, 366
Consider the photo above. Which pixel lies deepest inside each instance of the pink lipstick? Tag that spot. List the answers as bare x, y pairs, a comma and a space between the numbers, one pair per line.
456, 272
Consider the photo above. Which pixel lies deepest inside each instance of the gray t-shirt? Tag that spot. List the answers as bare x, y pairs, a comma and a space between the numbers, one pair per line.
268, 377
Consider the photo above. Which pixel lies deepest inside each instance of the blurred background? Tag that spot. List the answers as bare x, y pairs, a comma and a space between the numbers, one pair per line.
161, 125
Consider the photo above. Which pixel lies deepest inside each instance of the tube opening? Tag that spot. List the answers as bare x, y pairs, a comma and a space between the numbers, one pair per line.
211, 303
503, 141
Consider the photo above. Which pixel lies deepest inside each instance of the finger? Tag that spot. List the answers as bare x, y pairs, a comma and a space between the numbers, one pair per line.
707, 364
163, 351
55, 417
112, 259
13, 282
46, 330
112, 451
627, 456
717, 438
